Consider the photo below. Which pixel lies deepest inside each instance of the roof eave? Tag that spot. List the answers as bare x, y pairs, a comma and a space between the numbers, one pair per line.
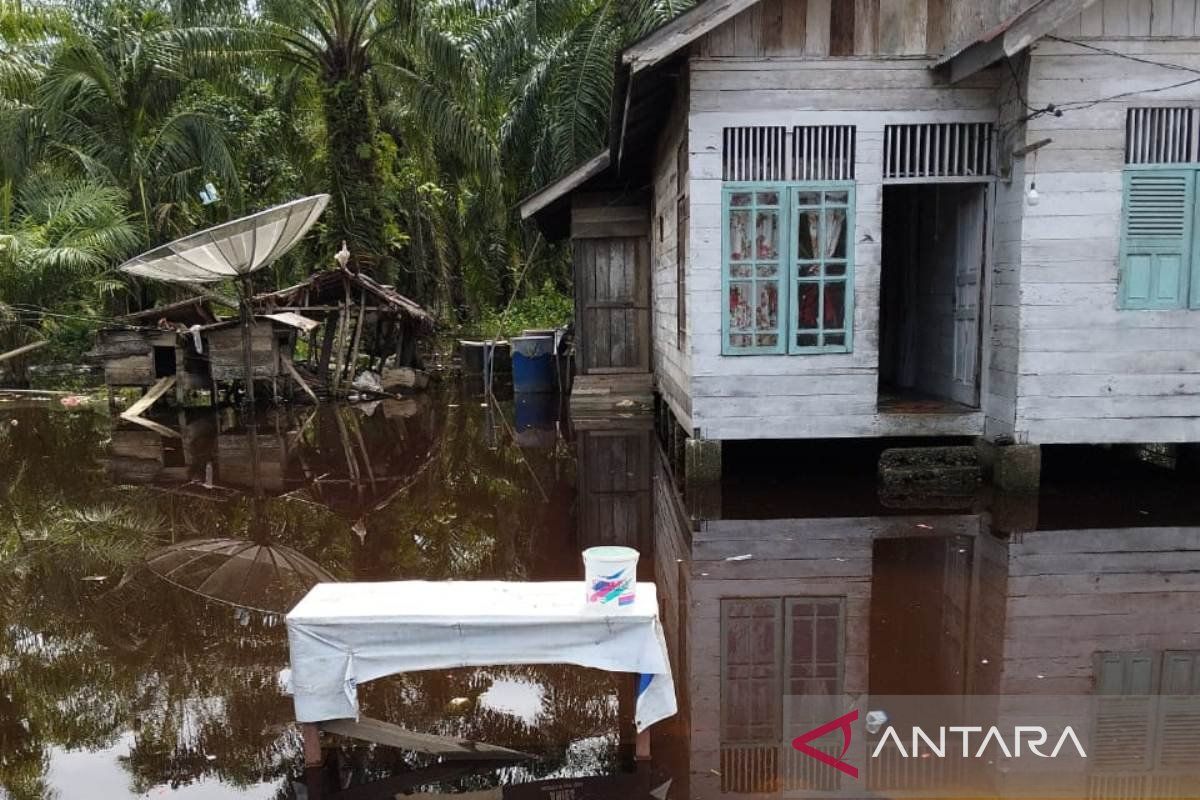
1011, 37
544, 198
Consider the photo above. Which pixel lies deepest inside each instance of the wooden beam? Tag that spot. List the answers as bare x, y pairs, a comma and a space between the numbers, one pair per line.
389, 735
149, 398
1014, 36
564, 185
20, 351
291, 369
682, 31
310, 734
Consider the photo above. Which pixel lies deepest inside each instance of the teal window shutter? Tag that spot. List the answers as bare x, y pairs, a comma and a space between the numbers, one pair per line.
1156, 238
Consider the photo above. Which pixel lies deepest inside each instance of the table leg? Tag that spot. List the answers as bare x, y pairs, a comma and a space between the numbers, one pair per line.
310, 733
641, 747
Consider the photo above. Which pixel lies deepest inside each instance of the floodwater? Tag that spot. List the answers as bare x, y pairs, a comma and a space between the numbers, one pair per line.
143, 578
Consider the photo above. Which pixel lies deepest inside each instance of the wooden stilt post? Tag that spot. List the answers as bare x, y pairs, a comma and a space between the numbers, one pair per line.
641, 746
246, 312
310, 733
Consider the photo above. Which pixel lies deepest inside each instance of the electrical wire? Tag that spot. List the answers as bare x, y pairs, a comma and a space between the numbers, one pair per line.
1128, 57
1079, 105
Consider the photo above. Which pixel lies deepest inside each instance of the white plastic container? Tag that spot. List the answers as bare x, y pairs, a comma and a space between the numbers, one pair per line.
611, 577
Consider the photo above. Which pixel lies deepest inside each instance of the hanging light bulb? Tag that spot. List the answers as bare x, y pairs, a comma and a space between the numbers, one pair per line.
1032, 195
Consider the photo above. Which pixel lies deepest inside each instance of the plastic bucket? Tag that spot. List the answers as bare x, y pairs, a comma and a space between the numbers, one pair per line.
611, 576
533, 364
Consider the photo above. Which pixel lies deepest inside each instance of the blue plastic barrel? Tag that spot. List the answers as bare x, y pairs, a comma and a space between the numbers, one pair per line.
533, 363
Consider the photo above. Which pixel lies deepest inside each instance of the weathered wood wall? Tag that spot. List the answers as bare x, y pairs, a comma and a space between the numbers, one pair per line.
788, 28
1129, 18
834, 395
1002, 315
672, 359
128, 355
1089, 372
226, 356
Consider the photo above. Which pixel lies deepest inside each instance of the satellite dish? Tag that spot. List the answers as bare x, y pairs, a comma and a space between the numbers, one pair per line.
231, 250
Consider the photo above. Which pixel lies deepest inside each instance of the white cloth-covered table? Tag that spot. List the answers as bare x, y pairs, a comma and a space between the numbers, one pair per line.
344, 634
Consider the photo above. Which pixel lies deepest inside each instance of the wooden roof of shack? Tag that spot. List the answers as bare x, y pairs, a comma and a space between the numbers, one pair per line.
328, 288
192, 311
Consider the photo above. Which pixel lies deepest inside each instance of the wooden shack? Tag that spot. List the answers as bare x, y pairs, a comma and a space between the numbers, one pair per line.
150, 345
359, 318
272, 342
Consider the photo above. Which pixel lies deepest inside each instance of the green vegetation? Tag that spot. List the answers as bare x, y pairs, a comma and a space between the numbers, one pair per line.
426, 120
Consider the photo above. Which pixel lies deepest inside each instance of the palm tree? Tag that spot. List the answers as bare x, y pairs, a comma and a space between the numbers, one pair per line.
555, 58
114, 104
363, 55
59, 237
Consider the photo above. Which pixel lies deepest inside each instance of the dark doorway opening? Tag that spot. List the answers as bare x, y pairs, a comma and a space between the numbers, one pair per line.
930, 298
920, 615
164, 362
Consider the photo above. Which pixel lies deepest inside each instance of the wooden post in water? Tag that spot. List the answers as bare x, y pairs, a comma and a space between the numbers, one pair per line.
245, 312
310, 733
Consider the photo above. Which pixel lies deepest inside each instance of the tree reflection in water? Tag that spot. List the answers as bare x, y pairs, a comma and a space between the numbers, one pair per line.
95, 651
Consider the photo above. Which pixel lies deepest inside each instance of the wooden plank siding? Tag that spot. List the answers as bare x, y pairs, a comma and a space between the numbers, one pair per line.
1087, 371
1074, 593
1119, 19
829, 395
671, 353
817, 28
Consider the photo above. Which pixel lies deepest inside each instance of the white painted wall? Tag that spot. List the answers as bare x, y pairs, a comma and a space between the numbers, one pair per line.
807, 396
1088, 372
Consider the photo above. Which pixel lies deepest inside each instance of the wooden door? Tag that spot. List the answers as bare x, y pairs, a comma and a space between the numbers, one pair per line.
612, 278
971, 238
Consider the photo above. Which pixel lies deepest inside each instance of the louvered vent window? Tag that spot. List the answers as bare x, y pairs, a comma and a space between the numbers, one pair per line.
1161, 136
937, 150
755, 154
823, 153
806, 153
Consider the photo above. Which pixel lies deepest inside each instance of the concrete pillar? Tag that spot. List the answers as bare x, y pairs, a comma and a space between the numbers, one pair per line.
702, 461
702, 472
1016, 468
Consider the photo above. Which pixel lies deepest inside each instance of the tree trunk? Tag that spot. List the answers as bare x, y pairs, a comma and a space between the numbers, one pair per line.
357, 213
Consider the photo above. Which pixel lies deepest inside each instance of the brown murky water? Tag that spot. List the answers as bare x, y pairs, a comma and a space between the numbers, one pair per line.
139, 657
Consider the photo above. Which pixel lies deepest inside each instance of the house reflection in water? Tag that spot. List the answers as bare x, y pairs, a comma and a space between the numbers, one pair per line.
350, 454
814, 589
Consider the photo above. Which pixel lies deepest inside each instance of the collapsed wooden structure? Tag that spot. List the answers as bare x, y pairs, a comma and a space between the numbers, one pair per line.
357, 317
308, 340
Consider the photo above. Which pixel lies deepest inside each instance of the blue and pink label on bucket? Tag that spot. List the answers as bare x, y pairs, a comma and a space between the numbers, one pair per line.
611, 576
605, 589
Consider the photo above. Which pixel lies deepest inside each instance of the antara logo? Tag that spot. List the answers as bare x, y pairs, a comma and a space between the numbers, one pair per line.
1033, 737
842, 723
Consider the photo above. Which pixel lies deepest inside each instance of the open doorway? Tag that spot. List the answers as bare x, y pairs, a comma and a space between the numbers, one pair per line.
929, 313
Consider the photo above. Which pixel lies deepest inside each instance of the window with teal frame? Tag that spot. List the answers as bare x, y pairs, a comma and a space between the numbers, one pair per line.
787, 268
